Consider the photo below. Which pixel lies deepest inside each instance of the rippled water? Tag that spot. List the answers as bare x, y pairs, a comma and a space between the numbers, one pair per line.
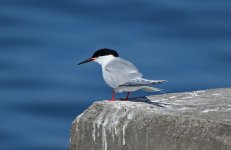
41, 88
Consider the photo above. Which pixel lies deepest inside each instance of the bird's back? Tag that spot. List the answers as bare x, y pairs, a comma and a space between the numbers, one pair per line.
119, 71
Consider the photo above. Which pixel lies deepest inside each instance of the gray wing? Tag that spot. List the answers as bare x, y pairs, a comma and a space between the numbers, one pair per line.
142, 82
120, 71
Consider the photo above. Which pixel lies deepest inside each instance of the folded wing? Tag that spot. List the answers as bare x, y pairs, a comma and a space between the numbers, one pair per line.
119, 72
143, 82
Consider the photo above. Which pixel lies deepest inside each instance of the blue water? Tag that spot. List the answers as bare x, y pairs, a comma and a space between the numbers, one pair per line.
42, 90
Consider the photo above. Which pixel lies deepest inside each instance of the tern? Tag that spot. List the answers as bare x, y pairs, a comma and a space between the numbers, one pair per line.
121, 75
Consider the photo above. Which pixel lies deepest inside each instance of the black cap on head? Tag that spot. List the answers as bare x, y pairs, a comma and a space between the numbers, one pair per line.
104, 52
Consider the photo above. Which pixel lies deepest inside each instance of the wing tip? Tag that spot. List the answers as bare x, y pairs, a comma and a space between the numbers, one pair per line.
159, 81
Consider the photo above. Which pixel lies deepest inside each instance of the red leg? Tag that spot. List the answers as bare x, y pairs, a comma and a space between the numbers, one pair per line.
127, 95
113, 96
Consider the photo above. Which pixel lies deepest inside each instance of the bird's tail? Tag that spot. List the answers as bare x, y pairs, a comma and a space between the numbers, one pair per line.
151, 89
144, 82
157, 81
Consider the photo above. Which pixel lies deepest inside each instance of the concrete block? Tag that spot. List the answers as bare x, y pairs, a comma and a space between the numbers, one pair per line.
198, 120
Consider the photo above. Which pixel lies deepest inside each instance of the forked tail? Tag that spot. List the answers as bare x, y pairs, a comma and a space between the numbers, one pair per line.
151, 89
158, 81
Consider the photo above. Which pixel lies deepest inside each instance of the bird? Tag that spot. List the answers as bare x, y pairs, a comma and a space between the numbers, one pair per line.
120, 74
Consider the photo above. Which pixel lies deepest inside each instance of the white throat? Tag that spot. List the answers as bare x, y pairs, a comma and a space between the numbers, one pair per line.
104, 60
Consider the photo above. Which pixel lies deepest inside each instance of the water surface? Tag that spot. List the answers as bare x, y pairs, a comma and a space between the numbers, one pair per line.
41, 88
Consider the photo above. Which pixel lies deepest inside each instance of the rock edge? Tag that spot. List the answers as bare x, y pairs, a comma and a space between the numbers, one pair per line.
198, 120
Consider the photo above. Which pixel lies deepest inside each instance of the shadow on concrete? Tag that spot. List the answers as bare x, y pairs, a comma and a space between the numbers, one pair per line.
146, 100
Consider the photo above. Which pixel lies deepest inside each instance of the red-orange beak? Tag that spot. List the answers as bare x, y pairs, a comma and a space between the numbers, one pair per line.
86, 61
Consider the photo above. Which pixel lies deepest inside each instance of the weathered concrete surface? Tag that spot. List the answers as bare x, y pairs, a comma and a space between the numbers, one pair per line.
199, 120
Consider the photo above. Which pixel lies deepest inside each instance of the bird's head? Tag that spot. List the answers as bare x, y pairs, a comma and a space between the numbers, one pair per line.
102, 56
